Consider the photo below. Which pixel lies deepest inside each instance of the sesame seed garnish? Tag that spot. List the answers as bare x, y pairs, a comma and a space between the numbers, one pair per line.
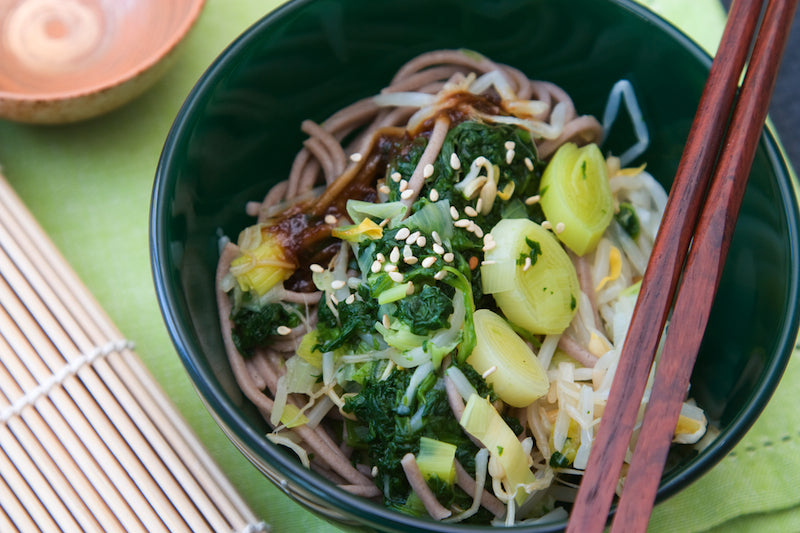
434, 195
350, 299
489, 371
376, 267
440, 275
411, 239
462, 223
384, 189
547, 225
389, 267
470, 211
427, 171
560, 227
330, 219
394, 255
509, 145
407, 194
385, 321
374, 471
529, 163
489, 246
410, 260
455, 162
479, 204
284, 330
337, 284
509, 156
438, 248
407, 252
396, 177
480, 160
380, 257
410, 288
436, 238
403, 185
355, 157
449, 257
421, 241
478, 231
530, 200
316, 268
428, 261
397, 277
453, 212
527, 264
402, 234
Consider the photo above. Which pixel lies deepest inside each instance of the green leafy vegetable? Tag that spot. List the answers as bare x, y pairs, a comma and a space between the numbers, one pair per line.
627, 218
426, 310
253, 327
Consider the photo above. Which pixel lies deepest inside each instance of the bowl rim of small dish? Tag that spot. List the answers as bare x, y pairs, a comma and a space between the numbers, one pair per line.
130, 74
242, 434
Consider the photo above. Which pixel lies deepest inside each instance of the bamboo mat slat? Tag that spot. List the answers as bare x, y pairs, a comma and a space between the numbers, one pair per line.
89, 441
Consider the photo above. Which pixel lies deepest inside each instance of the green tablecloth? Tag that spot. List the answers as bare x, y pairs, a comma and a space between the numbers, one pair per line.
89, 185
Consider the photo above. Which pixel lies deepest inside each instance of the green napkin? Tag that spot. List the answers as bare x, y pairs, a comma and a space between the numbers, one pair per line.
89, 186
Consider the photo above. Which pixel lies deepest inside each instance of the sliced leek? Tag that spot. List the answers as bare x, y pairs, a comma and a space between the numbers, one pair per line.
513, 370
437, 458
575, 192
545, 289
262, 263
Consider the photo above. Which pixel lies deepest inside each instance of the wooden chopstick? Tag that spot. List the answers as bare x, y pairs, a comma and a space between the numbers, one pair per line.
703, 271
659, 284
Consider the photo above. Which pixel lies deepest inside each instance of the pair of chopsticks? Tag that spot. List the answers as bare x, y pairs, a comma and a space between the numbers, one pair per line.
704, 216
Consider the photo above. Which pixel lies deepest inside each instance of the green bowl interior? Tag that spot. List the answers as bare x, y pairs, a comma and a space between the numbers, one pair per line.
239, 130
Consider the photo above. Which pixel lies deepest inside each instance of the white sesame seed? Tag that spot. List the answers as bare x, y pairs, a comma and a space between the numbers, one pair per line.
440, 275
489, 371
421, 241
479, 205
530, 200
394, 255
397, 277
462, 223
453, 212
350, 299
410, 260
402, 234
478, 231
438, 248
411, 239
527, 264
427, 171
356, 157
407, 194
380, 257
330, 219
489, 245
434, 195
510, 145
407, 251
386, 322
389, 267
403, 185
455, 162
376, 267
560, 227
547, 225
436, 238
480, 160
410, 288
529, 163
428, 261
470, 211
488, 238
384, 189
509, 156
316, 268
337, 284
396, 177
283, 330
374, 471
449, 257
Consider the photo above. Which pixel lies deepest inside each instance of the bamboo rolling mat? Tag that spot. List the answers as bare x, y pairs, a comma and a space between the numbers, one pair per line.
88, 441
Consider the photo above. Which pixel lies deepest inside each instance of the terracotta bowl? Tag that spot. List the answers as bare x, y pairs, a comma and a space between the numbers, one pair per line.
68, 60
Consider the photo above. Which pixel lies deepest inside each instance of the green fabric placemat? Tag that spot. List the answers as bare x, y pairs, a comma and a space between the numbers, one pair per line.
89, 185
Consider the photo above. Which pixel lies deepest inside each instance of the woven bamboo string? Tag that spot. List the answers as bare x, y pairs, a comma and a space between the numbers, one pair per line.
147, 471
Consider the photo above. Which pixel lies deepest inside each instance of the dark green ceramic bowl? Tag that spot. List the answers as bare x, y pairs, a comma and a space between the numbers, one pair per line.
239, 129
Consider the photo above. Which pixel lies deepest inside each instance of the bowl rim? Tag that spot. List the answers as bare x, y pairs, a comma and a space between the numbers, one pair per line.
163, 52
243, 435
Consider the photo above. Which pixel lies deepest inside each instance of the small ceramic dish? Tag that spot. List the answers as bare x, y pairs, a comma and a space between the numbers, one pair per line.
69, 60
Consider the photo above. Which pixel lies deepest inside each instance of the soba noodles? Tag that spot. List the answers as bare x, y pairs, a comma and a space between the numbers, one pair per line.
430, 308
